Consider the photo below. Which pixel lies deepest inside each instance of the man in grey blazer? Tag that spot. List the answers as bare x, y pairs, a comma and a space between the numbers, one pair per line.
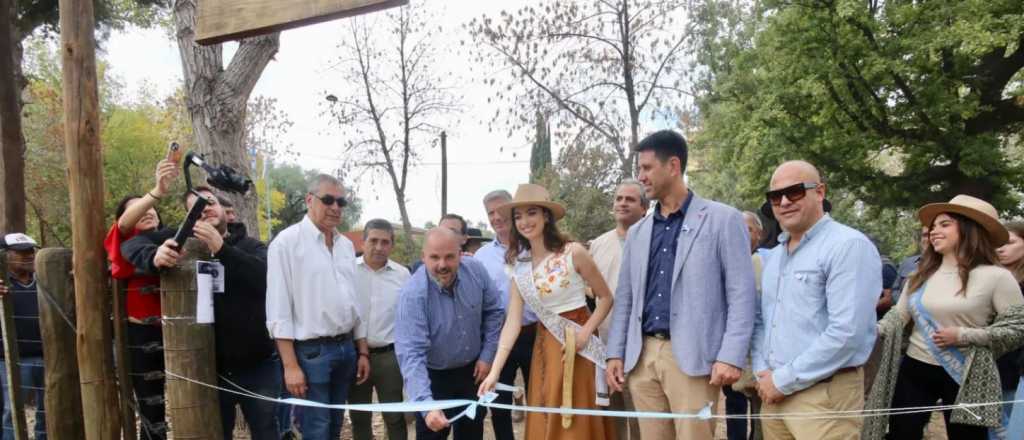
685, 301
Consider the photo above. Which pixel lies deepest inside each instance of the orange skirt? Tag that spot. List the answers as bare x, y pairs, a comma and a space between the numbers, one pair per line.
545, 389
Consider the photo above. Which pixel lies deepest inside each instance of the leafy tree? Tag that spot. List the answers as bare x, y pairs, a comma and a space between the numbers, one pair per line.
290, 181
399, 100
540, 156
127, 134
21, 19
596, 67
582, 183
899, 103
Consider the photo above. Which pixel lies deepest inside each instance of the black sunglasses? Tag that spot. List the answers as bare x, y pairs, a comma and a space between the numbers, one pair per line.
793, 193
330, 200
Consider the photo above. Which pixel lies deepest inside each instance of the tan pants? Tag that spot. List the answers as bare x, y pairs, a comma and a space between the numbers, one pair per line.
845, 392
657, 384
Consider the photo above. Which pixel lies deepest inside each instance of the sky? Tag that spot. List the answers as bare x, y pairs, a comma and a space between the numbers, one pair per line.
300, 77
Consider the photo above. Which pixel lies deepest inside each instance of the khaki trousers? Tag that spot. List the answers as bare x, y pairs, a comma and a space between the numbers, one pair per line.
845, 392
657, 384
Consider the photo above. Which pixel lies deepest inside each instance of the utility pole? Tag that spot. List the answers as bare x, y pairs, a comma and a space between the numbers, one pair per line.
85, 176
444, 173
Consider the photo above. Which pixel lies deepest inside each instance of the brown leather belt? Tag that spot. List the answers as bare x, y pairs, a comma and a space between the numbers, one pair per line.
384, 349
838, 372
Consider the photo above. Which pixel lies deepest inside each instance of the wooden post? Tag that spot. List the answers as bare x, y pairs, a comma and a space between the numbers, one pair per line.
193, 410
444, 173
124, 366
56, 318
11, 359
85, 171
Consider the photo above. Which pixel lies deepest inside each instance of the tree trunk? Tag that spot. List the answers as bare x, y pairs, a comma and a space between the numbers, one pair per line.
12, 165
216, 97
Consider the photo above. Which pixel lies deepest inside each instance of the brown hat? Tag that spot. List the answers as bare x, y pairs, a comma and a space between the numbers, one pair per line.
973, 208
529, 194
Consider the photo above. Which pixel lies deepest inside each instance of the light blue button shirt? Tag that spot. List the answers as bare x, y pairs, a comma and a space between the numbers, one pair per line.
817, 312
492, 255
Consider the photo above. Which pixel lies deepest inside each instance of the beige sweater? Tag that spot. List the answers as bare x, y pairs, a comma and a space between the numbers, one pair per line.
990, 290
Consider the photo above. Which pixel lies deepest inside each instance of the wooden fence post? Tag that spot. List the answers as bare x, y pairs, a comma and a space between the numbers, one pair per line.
193, 409
56, 324
11, 359
85, 180
124, 365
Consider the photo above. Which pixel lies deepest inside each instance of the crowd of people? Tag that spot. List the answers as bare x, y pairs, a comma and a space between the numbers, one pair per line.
797, 318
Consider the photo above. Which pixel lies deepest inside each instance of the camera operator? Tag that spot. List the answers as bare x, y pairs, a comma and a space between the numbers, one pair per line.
245, 352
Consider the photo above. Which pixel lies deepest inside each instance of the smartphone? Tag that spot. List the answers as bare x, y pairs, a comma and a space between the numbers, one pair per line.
185, 230
174, 152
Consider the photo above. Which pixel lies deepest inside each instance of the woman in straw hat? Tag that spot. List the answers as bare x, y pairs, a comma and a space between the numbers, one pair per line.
551, 275
962, 310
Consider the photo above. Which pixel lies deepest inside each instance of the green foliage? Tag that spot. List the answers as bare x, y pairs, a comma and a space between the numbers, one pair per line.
290, 181
404, 252
898, 103
540, 155
109, 15
581, 183
134, 138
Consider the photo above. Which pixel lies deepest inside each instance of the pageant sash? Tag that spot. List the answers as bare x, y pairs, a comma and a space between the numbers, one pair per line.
556, 325
951, 358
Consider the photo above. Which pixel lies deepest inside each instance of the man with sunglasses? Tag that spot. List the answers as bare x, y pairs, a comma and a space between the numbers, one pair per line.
312, 309
244, 351
816, 324
685, 299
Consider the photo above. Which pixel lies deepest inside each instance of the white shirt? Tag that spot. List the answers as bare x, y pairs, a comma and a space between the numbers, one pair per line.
310, 290
492, 255
377, 293
607, 252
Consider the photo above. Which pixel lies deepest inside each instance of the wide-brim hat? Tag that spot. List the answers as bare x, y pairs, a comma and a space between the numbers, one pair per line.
973, 208
529, 194
475, 234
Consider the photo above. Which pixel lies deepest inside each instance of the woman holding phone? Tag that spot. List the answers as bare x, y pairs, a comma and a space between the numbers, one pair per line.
137, 214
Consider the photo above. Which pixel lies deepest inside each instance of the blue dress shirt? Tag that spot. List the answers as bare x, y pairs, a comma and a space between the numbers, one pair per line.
660, 264
442, 329
492, 255
817, 312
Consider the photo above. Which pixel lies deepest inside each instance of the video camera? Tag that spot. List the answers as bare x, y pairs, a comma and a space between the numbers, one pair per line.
223, 178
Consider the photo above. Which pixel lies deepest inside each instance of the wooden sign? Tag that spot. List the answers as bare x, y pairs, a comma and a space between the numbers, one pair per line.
223, 20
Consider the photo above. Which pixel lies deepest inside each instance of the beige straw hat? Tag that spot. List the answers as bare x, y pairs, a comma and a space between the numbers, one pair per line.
973, 208
529, 194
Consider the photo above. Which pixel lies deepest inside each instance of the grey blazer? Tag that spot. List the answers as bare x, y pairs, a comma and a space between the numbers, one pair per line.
713, 297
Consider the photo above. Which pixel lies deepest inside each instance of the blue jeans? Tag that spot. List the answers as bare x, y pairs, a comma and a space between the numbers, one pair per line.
1015, 429
263, 379
329, 366
32, 383
994, 433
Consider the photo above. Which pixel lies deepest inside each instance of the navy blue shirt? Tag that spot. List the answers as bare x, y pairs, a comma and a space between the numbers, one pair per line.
660, 264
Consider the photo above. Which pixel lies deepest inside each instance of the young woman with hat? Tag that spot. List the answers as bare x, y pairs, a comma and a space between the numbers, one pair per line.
963, 309
551, 275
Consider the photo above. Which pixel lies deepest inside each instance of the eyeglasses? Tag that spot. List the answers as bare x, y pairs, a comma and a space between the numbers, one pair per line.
793, 193
330, 200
